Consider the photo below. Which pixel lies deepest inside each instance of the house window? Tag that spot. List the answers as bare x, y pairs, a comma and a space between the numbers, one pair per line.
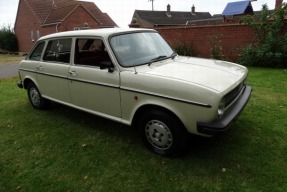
32, 36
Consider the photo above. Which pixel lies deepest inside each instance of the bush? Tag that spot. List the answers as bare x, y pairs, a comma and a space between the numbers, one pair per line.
270, 50
184, 50
8, 39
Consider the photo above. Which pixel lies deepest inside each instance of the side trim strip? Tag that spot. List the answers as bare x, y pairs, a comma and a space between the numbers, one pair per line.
167, 97
20, 69
95, 83
129, 89
52, 75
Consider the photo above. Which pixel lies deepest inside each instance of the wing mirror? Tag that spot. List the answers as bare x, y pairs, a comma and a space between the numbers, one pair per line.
107, 65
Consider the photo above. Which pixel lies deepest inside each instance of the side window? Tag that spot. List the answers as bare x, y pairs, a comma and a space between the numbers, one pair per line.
58, 51
37, 52
90, 52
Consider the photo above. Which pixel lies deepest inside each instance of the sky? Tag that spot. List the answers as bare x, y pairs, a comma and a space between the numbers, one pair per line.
121, 11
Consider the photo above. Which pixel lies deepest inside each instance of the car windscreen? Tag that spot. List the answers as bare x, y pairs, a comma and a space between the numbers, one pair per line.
139, 48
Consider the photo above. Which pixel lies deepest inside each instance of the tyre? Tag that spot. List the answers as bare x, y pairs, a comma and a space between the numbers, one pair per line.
35, 97
162, 133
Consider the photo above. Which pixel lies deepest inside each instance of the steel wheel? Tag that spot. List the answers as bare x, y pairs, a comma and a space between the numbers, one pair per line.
162, 132
159, 135
35, 97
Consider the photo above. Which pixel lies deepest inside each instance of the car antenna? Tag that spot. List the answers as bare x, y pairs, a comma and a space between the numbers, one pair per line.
135, 69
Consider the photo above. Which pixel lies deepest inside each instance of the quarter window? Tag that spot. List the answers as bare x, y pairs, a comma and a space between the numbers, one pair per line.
37, 52
58, 51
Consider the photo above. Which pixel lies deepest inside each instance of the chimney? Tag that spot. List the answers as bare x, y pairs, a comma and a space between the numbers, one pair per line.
168, 8
278, 3
192, 9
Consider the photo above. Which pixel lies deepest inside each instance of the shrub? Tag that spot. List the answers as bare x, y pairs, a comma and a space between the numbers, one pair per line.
8, 39
216, 50
270, 49
184, 50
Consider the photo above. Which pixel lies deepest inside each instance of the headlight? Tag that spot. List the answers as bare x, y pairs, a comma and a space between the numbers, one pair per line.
221, 108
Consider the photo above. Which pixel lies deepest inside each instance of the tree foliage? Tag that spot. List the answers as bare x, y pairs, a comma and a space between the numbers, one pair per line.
8, 39
270, 48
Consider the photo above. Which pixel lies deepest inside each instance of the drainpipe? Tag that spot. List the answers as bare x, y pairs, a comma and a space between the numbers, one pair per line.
57, 27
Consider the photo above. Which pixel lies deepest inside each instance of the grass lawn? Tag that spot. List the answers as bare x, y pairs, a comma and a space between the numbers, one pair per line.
63, 149
10, 59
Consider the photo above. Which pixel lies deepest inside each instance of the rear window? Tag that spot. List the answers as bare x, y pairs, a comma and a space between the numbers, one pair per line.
58, 51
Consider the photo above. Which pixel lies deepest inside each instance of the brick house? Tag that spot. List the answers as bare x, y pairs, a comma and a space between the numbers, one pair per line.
36, 18
151, 19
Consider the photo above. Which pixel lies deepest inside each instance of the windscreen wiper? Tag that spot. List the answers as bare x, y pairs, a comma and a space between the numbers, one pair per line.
173, 55
157, 59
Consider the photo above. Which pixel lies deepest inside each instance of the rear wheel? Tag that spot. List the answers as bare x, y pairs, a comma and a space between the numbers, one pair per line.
35, 97
162, 133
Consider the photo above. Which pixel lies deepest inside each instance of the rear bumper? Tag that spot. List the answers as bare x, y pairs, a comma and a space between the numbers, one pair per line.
20, 84
223, 124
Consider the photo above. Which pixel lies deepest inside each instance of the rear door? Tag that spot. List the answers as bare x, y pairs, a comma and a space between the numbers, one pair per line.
52, 71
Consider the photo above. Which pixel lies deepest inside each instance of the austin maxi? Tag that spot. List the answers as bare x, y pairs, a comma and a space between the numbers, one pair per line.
134, 77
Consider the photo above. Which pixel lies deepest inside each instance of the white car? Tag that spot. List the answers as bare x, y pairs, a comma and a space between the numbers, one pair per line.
132, 76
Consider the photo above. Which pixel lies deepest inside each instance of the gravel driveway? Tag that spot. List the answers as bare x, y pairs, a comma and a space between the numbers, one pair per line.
8, 70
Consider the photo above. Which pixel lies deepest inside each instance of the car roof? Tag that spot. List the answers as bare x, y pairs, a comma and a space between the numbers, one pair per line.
106, 32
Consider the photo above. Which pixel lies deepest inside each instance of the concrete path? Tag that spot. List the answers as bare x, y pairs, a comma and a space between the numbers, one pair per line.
8, 70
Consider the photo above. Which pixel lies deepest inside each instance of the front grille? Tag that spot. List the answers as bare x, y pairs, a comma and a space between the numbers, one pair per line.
232, 95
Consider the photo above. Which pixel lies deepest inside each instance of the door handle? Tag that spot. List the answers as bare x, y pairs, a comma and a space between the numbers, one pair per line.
40, 68
73, 73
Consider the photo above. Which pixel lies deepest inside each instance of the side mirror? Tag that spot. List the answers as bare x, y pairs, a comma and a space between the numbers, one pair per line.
107, 65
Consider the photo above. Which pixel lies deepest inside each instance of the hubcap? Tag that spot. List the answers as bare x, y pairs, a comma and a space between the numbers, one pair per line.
35, 96
158, 134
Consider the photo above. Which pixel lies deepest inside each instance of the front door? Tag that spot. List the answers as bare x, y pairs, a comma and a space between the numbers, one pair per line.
93, 89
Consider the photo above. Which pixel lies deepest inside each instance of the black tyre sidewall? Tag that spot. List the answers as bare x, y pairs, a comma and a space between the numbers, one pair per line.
178, 132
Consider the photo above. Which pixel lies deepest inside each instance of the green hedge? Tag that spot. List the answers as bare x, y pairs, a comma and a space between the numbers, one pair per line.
8, 39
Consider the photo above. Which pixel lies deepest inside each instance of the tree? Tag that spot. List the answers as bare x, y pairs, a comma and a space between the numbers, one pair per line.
270, 48
8, 39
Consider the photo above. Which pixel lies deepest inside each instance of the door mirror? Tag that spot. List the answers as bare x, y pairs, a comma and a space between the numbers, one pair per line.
107, 65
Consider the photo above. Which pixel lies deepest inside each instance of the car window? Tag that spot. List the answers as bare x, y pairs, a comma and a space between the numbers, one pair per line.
37, 52
58, 51
90, 52
139, 48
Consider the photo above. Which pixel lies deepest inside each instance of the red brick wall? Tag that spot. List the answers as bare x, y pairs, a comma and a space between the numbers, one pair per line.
25, 23
231, 37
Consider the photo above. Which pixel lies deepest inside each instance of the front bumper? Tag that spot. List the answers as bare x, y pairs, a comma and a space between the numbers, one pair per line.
223, 124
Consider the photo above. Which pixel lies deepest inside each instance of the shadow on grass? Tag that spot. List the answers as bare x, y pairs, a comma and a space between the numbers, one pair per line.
198, 146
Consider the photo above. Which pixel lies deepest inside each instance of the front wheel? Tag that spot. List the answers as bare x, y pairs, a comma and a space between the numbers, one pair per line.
162, 133
35, 97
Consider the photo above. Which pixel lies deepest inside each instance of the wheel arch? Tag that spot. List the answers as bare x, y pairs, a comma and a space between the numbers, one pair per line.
149, 107
27, 81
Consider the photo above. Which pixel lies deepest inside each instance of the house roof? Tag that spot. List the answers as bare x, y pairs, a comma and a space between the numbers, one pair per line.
170, 18
237, 8
55, 11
